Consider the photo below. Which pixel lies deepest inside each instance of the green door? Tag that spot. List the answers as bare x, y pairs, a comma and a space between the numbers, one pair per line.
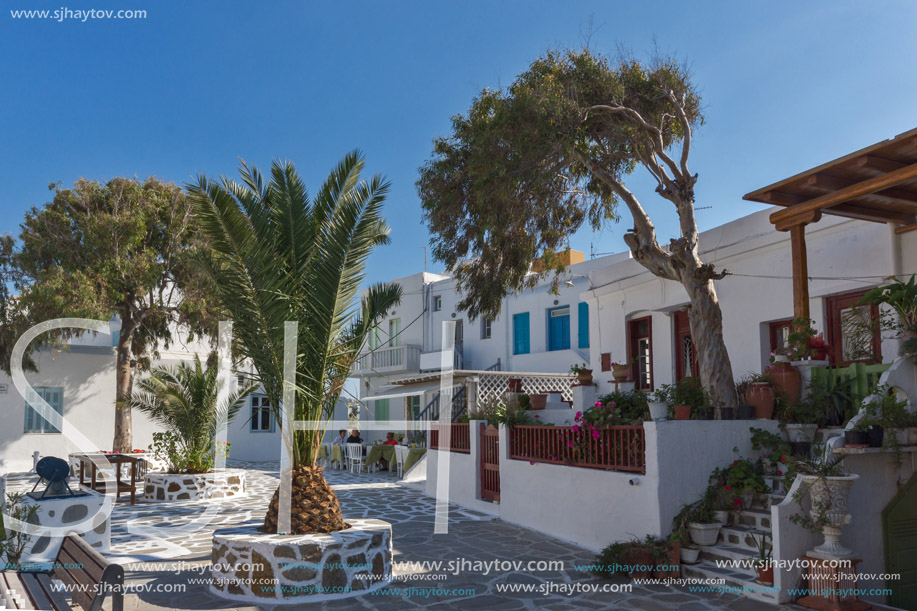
899, 526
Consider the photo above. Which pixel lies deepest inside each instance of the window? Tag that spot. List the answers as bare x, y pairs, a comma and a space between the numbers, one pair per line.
34, 422
381, 410
559, 328
437, 303
262, 419
374, 341
521, 333
394, 330
582, 325
779, 333
686, 365
414, 406
640, 348
485, 328
852, 335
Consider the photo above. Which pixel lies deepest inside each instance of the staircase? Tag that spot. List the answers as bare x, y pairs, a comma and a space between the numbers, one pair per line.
459, 406
736, 545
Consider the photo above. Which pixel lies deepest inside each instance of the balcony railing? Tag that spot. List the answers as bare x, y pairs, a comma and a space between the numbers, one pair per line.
617, 448
459, 439
391, 359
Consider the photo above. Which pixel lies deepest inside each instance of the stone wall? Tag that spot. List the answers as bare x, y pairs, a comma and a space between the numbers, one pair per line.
197, 487
248, 565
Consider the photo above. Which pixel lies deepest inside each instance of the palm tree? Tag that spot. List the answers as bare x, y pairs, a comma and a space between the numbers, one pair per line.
279, 256
185, 400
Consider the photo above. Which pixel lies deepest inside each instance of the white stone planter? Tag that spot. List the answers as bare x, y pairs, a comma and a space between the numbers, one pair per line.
254, 567
722, 517
689, 555
658, 410
67, 512
195, 487
828, 496
801, 432
704, 534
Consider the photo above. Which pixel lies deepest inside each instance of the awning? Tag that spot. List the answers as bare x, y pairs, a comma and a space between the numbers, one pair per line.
403, 391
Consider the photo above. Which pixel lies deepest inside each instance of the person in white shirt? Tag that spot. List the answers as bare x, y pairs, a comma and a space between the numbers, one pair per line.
340, 440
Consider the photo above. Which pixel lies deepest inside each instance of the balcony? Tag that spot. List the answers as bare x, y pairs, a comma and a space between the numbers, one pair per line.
433, 361
391, 359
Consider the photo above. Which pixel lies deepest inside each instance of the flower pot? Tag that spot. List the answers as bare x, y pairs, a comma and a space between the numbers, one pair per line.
620, 372
875, 435
639, 562
704, 534
829, 501
658, 410
722, 517
670, 569
689, 555
761, 396
538, 401
746, 412
727, 413
584, 377
765, 574
682, 412
855, 438
515, 385
787, 381
800, 432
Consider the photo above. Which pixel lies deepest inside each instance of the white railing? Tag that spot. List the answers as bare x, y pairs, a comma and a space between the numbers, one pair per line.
432, 361
495, 384
390, 359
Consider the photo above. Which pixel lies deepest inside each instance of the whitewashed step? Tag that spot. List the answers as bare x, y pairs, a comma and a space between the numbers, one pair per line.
742, 537
729, 554
753, 518
734, 582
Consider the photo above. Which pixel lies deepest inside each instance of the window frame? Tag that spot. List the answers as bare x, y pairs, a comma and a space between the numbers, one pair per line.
44, 427
632, 338
833, 306
437, 303
486, 328
773, 330
261, 407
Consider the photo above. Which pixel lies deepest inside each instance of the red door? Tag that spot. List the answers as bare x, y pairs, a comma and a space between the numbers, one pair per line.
490, 462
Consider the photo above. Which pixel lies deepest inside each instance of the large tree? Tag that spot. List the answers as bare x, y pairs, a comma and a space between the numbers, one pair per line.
121, 248
278, 256
530, 164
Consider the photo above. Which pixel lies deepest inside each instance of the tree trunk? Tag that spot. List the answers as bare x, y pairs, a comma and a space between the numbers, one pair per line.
706, 320
124, 379
314, 507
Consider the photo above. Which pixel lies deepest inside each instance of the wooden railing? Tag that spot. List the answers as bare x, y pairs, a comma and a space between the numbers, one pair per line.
857, 381
460, 437
617, 448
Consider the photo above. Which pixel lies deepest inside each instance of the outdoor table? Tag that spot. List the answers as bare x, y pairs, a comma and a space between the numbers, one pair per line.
413, 456
337, 454
116, 461
381, 451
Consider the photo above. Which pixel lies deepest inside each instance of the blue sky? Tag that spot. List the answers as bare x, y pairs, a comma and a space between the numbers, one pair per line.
197, 85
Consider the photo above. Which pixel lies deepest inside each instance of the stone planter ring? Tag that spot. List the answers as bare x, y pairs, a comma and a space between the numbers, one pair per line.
193, 487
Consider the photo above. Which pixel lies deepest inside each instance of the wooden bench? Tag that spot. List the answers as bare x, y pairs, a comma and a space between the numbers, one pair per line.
87, 576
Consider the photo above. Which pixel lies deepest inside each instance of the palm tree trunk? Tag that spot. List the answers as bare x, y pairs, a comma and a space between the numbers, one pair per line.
314, 505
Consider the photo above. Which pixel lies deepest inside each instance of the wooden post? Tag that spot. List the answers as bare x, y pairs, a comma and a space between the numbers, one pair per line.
800, 272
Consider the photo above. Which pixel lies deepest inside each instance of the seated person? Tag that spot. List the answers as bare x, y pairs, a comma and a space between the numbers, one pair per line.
342, 439
389, 441
354, 437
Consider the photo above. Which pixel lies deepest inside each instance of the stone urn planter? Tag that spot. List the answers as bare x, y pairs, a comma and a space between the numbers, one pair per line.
704, 534
193, 487
267, 569
828, 496
797, 433
761, 396
584, 377
620, 372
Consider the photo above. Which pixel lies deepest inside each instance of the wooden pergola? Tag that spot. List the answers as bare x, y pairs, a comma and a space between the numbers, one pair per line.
877, 183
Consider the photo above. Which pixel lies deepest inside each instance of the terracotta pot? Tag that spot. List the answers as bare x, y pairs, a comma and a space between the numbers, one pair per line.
538, 401
761, 396
639, 563
682, 412
584, 377
672, 568
765, 574
787, 381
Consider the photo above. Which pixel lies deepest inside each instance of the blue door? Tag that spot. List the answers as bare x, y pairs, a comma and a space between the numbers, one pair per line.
521, 333
559, 328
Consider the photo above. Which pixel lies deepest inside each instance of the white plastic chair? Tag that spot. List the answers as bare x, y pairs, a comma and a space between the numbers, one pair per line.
354, 456
401, 453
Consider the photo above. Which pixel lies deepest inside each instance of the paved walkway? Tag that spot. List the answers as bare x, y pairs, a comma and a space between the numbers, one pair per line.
178, 557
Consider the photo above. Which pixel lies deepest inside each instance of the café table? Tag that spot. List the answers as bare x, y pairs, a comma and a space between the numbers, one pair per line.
335, 453
375, 452
413, 456
116, 461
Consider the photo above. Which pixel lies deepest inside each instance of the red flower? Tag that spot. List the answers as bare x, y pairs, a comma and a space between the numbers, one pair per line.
737, 503
727, 487
783, 458
595, 434
779, 472
536, 415
531, 462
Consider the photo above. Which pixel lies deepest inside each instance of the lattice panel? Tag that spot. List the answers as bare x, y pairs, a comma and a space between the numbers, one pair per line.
492, 386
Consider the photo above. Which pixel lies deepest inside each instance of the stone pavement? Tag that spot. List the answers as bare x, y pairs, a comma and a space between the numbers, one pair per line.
179, 557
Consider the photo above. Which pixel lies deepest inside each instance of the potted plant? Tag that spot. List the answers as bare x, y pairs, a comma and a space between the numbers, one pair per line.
828, 487
538, 401
760, 395
638, 559
13, 542
856, 437
886, 421
620, 371
659, 406
629, 406
583, 374
688, 398
743, 480
774, 447
704, 527
687, 553
745, 411
763, 564
901, 298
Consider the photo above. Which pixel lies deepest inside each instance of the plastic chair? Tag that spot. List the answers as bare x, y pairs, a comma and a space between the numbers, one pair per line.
401, 453
354, 456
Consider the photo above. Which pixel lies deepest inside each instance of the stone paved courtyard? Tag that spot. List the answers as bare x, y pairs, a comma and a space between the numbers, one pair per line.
160, 547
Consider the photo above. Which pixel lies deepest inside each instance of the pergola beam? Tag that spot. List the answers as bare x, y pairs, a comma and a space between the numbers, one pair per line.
833, 183
800, 211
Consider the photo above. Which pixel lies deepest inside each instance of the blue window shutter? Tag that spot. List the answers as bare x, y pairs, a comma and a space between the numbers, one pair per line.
521, 333
582, 321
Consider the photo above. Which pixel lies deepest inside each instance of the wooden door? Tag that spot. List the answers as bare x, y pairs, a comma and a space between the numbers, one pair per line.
490, 462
